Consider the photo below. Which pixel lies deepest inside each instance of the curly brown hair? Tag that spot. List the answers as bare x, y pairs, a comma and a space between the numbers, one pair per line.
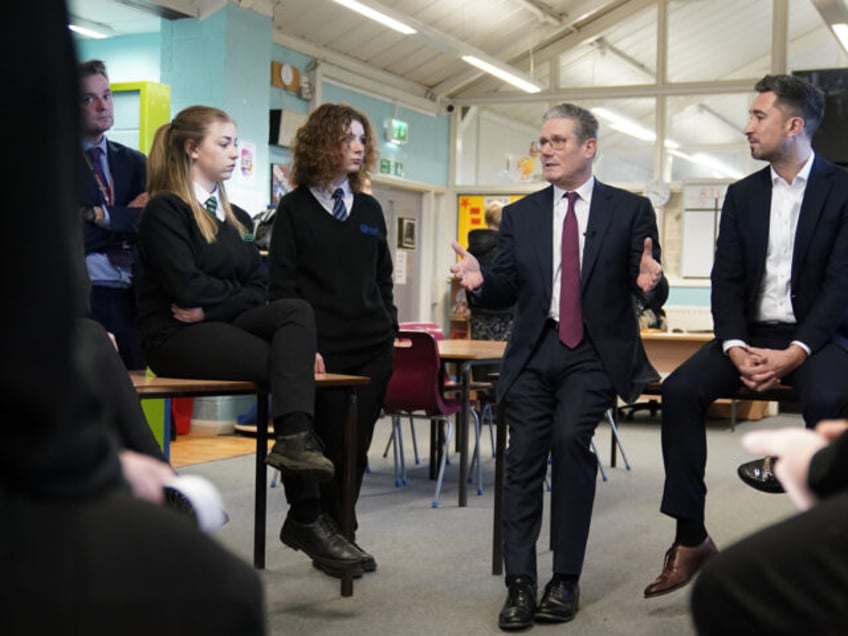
318, 147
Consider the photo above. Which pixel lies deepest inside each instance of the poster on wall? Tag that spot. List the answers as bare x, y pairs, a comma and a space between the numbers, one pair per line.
400, 268
406, 233
279, 182
471, 209
245, 173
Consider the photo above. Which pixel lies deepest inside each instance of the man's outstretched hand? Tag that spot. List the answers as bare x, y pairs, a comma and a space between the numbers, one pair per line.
466, 271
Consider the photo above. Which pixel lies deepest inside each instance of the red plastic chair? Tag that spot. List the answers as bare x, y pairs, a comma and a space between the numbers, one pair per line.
436, 330
482, 413
416, 389
430, 327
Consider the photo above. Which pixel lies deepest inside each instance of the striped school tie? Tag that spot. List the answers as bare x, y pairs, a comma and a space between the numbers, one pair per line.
339, 209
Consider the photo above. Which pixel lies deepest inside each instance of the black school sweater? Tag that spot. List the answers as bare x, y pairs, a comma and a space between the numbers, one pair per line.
343, 269
178, 266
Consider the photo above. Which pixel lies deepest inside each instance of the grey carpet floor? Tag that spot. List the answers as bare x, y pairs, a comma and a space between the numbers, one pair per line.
434, 574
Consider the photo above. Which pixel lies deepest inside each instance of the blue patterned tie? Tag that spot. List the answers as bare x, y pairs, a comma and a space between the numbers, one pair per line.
339, 209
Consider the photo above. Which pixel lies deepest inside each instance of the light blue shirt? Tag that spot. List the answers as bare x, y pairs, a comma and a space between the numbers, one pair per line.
100, 270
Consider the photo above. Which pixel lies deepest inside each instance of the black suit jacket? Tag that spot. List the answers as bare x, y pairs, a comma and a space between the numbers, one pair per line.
618, 223
819, 279
129, 177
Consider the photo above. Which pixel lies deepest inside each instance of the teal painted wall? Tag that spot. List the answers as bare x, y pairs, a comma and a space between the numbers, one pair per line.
224, 61
689, 296
131, 58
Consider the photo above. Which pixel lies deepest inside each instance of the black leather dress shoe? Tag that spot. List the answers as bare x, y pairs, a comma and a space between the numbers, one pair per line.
301, 455
517, 612
367, 562
322, 542
337, 572
759, 475
559, 602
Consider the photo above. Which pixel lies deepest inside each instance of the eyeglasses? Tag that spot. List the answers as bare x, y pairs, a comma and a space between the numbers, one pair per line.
557, 143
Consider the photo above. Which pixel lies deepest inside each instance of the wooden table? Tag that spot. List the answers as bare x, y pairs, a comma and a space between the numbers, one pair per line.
158, 387
667, 351
467, 354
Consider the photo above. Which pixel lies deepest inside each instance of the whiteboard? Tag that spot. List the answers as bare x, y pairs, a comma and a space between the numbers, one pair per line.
700, 218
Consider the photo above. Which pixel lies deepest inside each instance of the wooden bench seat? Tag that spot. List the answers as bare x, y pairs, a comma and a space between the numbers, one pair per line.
150, 387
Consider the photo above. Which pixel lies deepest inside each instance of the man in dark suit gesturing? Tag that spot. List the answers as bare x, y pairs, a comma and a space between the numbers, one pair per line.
571, 256
779, 305
113, 180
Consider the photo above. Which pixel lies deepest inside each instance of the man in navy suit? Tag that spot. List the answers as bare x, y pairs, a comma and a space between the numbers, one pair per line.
779, 305
571, 256
113, 181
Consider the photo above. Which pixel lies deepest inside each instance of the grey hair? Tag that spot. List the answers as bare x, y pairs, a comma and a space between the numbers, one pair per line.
586, 125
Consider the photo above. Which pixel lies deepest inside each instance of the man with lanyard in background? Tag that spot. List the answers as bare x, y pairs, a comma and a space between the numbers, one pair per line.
113, 180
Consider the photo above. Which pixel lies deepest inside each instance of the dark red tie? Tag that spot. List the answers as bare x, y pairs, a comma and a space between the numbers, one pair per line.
570, 314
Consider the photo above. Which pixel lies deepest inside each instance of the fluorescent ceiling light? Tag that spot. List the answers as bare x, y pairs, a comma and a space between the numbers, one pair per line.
510, 77
841, 31
624, 125
89, 33
375, 15
636, 131
720, 169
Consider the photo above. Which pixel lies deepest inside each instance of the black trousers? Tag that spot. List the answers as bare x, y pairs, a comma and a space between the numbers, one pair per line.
115, 309
331, 414
821, 383
552, 410
791, 578
272, 345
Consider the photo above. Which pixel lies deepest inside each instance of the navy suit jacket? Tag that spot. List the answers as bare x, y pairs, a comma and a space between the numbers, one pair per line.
819, 278
522, 273
129, 179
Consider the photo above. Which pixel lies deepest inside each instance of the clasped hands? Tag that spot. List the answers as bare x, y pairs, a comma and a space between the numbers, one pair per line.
761, 369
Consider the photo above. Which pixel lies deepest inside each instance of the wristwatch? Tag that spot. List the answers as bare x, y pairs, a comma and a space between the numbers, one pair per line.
88, 214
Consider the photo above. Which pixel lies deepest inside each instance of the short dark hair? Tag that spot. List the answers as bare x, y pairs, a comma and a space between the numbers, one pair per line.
92, 67
586, 124
797, 96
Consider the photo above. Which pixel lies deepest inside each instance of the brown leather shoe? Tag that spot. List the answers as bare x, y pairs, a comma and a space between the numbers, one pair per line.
681, 564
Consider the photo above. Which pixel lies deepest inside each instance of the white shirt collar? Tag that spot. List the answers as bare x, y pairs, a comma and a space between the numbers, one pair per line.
803, 174
324, 195
202, 196
584, 191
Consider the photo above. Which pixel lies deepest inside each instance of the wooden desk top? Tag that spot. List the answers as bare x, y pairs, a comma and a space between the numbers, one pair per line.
462, 349
154, 386
668, 336
667, 351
